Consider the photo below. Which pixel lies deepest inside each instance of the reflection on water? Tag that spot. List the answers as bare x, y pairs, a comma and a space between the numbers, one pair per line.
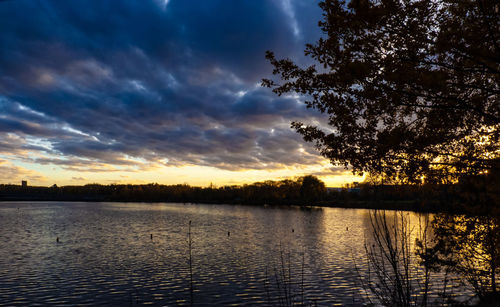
470, 247
106, 255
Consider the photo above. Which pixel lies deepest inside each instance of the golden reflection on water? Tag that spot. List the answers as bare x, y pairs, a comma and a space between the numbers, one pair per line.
106, 249
473, 243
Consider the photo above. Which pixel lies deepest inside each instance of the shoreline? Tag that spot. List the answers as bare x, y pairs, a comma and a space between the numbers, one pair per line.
403, 205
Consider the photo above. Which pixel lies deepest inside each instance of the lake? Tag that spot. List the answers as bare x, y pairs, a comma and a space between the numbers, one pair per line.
240, 254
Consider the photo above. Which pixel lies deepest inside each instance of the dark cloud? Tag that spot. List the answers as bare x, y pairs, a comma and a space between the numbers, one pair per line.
104, 81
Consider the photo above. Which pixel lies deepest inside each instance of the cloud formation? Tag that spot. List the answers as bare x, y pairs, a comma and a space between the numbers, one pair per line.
95, 85
11, 173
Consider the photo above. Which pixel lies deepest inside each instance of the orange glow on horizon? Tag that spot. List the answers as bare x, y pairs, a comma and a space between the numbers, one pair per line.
47, 175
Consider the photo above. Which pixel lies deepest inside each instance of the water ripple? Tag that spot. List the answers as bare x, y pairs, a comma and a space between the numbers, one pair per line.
105, 254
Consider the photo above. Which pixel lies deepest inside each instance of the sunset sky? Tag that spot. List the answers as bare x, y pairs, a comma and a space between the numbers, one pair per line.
140, 91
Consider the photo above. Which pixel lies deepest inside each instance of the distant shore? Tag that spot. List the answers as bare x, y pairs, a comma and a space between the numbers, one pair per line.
305, 192
403, 205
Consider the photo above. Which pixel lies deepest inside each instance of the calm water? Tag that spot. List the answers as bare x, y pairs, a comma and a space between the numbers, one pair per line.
105, 254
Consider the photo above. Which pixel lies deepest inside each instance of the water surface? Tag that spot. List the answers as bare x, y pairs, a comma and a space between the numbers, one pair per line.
105, 254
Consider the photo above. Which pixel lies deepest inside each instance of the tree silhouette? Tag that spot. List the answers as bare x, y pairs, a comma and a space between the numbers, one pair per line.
469, 246
312, 189
410, 88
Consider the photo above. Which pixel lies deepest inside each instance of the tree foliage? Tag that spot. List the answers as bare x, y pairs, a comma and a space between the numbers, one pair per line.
410, 88
298, 191
470, 247
312, 189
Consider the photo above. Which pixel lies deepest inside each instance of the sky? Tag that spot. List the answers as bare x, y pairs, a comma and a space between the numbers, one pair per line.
143, 91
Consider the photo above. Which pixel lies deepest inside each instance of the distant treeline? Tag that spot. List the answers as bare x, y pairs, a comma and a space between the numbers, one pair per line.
298, 191
303, 191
